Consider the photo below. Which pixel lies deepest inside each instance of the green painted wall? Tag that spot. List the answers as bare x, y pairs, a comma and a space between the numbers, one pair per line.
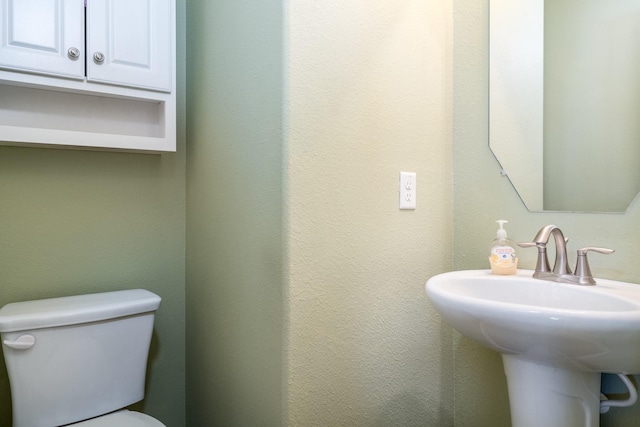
235, 252
76, 222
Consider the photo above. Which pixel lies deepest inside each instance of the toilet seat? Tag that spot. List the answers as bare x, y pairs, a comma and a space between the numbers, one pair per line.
124, 418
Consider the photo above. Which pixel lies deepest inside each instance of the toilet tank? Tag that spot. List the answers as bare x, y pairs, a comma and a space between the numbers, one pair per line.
74, 358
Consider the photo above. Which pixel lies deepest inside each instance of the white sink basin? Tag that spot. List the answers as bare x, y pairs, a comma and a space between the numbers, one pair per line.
580, 328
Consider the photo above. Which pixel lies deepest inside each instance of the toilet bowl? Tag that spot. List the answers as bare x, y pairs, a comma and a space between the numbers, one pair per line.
79, 360
124, 418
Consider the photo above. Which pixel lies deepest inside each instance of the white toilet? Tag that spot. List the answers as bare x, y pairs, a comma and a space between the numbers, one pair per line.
79, 360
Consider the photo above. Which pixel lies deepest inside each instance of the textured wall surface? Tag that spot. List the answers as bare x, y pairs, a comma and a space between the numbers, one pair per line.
369, 95
305, 299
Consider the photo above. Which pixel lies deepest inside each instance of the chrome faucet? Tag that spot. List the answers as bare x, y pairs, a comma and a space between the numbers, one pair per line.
561, 271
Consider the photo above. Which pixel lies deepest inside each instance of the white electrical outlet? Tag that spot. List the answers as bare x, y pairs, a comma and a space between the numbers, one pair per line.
407, 190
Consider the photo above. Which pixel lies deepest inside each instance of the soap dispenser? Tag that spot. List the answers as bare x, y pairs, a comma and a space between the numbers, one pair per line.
503, 259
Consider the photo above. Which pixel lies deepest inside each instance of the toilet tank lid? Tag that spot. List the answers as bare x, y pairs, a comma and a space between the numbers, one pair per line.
52, 312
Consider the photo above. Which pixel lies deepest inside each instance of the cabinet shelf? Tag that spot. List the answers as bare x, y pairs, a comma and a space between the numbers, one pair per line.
74, 115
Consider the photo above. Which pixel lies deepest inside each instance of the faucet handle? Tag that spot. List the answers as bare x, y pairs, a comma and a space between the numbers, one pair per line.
530, 244
606, 251
542, 264
583, 272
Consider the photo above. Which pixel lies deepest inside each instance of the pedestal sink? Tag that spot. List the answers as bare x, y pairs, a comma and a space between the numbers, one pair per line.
555, 338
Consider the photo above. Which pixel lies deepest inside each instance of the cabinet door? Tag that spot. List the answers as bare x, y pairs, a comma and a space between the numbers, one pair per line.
43, 36
129, 42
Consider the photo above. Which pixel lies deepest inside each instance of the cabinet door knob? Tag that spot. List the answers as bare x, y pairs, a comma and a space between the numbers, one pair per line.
73, 52
98, 57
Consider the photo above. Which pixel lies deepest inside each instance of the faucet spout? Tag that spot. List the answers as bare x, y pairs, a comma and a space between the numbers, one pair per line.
561, 271
561, 265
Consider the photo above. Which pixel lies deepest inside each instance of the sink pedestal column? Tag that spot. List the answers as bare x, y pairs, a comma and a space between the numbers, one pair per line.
544, 396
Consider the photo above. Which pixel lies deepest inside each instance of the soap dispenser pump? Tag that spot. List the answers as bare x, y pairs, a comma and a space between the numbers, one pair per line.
503, 259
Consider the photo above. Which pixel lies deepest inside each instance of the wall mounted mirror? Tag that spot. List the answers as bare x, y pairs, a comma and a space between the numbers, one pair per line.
564, 101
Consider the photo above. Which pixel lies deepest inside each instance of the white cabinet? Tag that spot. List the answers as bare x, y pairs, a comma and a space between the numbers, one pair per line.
39, 36
100, 76
128, 42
